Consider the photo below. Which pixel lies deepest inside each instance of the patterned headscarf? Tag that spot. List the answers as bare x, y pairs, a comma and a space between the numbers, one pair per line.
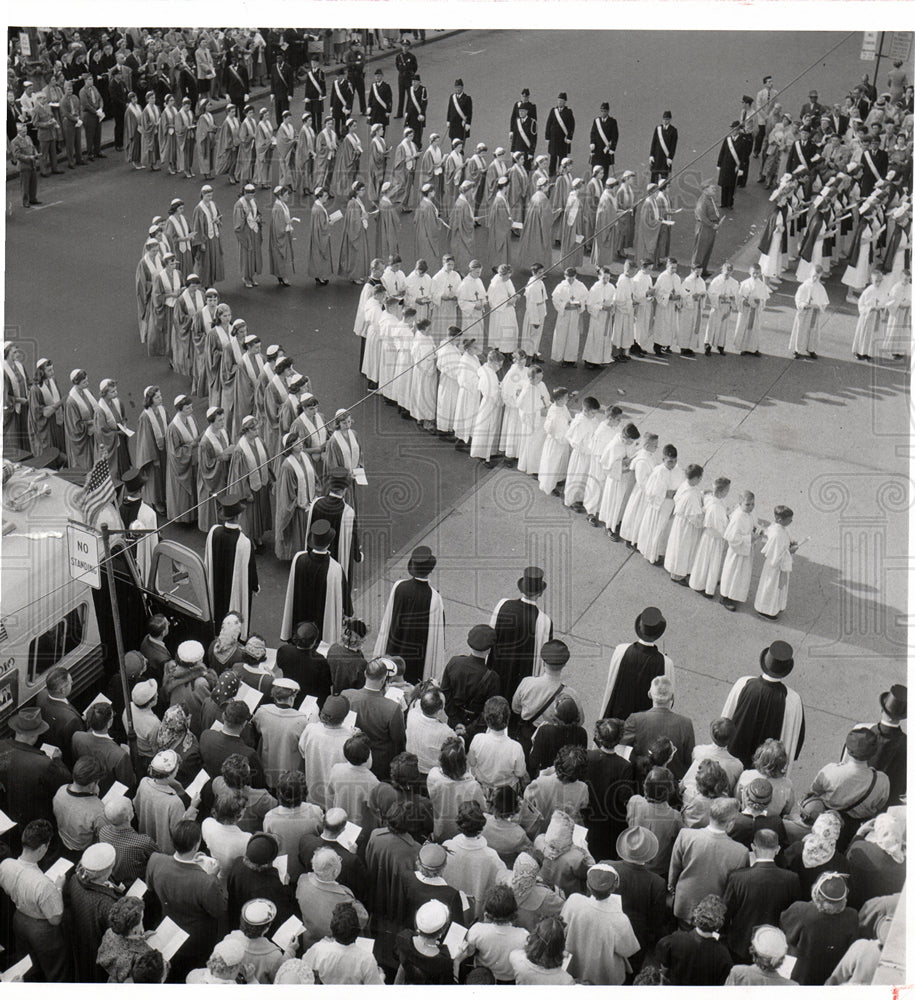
886, 835
524, 876
226, 687
173, 734
820, 843
558, 834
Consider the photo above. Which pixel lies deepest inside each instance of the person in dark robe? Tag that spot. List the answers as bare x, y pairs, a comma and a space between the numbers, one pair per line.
890, 756
521, 630
633, 666
230, 565
299, 660
764, 708
729, 165
468, 682
317, 590
254, 877
611, 783
341, 516
413, 626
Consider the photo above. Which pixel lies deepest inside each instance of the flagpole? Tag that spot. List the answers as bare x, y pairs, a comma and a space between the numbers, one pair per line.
119, 643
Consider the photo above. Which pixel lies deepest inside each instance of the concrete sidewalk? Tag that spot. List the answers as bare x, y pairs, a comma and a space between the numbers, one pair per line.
833, 449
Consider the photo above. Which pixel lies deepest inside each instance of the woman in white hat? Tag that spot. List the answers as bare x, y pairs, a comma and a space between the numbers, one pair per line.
207, 229
178, 231
264, 145
431, 167
354, 257
189, 303
305, 158
499, 224
536, 238
79, 418
181, 442
379, 151
387, 235
296, 488
149, 133
168, 141
213, 456
285, 150
132, 115
205, 137
403, 172
166, 288
349, 157
46, 418
228, 143
152, 426
110, 430
562, 188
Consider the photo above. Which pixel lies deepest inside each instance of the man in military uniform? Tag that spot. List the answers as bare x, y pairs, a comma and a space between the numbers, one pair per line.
341, 102
523, 134
525, 103
315, 92
282, 82
24, 154
415, 109
663, 149
407, 66
604, 136
355, 71
381, 101
460, 112
560, 128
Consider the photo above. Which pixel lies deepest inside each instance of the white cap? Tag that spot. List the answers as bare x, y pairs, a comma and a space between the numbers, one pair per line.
191, 651
144, 692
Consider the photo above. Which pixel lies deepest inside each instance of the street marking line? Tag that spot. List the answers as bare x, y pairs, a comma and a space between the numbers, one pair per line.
41, 208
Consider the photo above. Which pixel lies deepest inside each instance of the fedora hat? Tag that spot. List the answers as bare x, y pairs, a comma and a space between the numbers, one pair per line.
895, 701
777, 660
637, 845
531, 582
28, 721
650, 624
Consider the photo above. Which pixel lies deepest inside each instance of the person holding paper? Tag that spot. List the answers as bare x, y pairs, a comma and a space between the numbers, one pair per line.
424, 959
279, 726
255, 876
341, 958
89, 897
97, 742
318, 894
133, 849
124, 940
78, 810
38, 903
28, 775
336, 828
110, 429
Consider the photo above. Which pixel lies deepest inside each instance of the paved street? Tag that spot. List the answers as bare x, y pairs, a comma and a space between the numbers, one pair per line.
809, 434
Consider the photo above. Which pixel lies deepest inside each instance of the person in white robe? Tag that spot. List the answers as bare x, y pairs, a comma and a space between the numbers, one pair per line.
660, 490
471, 298
873, 304
569, 300
599, 342
706, 568
503, 320
898, 339
387, 348
484, 435
533, 404
423, 377
616, 463
402, 337
418, 290
689, 329
811, 301
535, 300
722, 296
554, 458
580, 435
641, 466
737, 568
514, 380
668, 301
371, 317
376, 268
642, 308
445, 284
777, 552
686, 526
468, 397
861, 254
623, 336
393, 278
448, 362
752, 296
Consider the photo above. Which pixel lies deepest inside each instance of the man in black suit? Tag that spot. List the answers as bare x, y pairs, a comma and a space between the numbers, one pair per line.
62, 718
643, 728
315, 92
757, 895
525, 103
355, 70
407, 66
874, 165
29, 777
523, 135
560, 130
341, 102
604, 138
802, 152
282, 81
299, 660
238, 86
812, 106
745, 149
460, 112
415, 109
729, 165
381, 101
467, 682
663, 148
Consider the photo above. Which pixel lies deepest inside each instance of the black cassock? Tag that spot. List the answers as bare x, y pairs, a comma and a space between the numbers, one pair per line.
891, 758
759, 716
224, 541
515, 652
638, 667
408, 634
309, 594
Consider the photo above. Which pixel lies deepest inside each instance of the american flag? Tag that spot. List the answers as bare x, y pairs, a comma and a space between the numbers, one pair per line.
98, 491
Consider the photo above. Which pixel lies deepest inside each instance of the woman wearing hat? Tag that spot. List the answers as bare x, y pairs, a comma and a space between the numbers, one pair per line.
174, 735
429, 230
817, 852
168, 139
353, 262
15, 400
319, 263
151, 449
178, 231
247, 133
205, 140
348, 159
379, 151
295, 489
264, 146
149, 133
133, 115
403, 172
189, 303
79, 418
228, 145
387, 228
166, 287
285, 150
213, 456
424, 960
207, 239
303, 181
279, 237
820, 932
45, 412
110, 429
251, 475
181, 443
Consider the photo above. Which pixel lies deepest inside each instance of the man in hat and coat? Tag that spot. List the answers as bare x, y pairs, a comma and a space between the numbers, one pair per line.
708, 219
413, 626
230, 565
762, 707
28, 777
468, 682
890, 754
643, 893
730, 167
633, 666
139, 517
341, 516
460, 112
663, 148
560, 128
317, 590
604, 137
521, 629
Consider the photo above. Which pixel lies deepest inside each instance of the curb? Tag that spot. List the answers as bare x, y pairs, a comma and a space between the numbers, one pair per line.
256, 95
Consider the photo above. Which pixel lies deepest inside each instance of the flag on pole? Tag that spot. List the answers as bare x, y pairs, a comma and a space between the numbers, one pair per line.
98, 491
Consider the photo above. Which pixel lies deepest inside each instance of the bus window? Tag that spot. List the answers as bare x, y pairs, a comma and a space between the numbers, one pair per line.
51, 647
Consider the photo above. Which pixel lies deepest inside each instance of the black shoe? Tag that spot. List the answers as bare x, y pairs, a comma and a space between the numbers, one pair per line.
578, 507
743, 354
57, 171
771, 618
667, 350
682, 580
810, 354
708, 349
321, 281
688, 352
36, 202
728, 604
721, 350
658, 350
756, 354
